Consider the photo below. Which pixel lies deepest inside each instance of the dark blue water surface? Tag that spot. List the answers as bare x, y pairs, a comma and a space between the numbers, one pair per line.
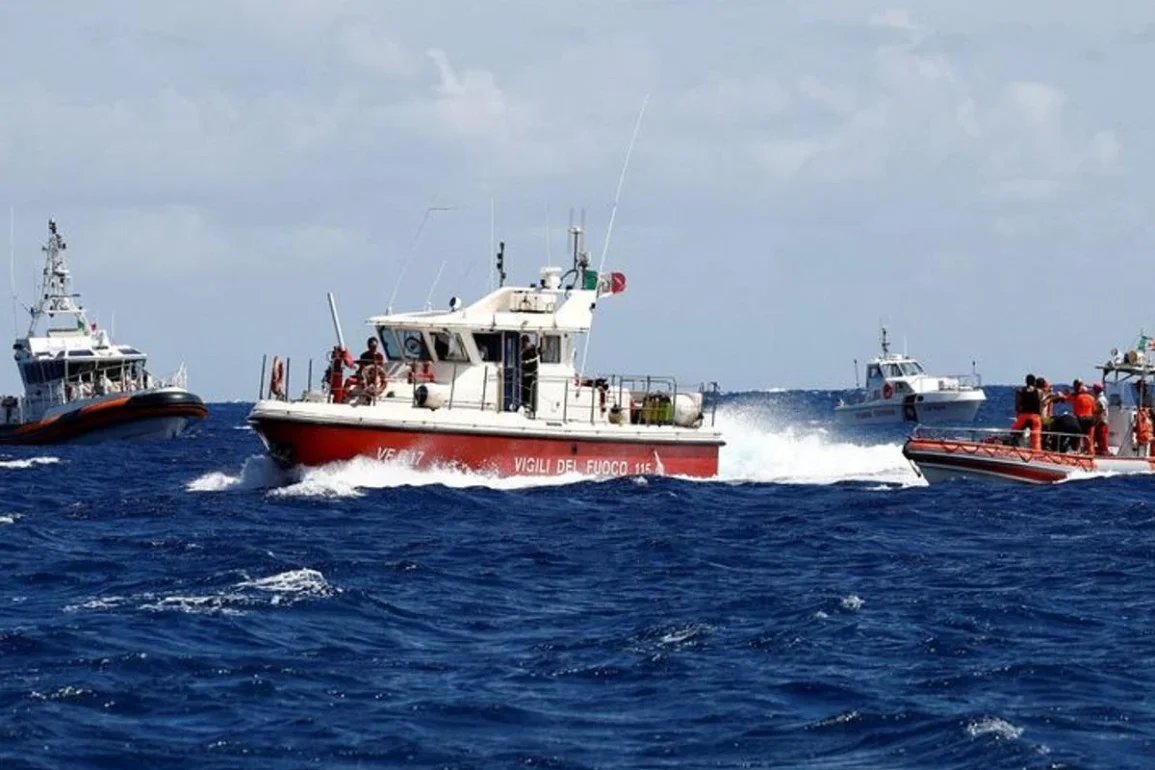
181, 604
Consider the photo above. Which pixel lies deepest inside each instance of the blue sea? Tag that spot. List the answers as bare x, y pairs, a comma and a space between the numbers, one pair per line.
185, 605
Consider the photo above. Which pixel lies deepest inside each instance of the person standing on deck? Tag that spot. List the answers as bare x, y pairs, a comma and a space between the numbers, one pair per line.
1029, 412
1083, 408
1100, 414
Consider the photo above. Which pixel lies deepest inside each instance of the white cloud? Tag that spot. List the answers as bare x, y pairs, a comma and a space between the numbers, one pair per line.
1039, 105
367, 47
785, 158
290, 143
1106, 149
838, 100
893, 18
469, 104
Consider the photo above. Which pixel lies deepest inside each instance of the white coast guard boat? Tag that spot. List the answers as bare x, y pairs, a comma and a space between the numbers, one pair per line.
898, 390
492, 387
78, 385
940, 454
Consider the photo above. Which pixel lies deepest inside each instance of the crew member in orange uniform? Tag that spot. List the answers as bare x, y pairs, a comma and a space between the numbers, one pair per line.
1029, 411
1101, 430
1083, 407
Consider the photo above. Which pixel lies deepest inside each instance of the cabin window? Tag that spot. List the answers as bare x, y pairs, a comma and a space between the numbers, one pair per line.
413, 345
403, 344
390, 345
891, 370
488, 345
911, 368
873, 372
449, 347
549, 349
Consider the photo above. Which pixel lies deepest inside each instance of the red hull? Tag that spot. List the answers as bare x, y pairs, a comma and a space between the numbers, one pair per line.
303, 443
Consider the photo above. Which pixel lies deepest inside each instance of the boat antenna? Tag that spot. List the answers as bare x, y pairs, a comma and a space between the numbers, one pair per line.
492, 235
613, 215
501, 264
856, 386
12, 268
412, 249
885, 343
621, 182
336, 320
548, 252
436, 278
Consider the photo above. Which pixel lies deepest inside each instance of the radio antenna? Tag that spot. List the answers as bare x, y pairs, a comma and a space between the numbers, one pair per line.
12, 268
436, 278
412, 250
548, 252
613, 216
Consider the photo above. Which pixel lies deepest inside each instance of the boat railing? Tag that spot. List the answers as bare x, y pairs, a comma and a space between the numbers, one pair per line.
958, 433
86, 386
968, 381
615, 398
1076, 443
178, 379
12, 410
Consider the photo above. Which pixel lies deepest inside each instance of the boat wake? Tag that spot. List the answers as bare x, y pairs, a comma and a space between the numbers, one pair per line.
349, 478
258, 472
762, 449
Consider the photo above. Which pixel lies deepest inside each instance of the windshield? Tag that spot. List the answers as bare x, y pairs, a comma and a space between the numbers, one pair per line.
891, 370
403, 344
911, 368
449, 347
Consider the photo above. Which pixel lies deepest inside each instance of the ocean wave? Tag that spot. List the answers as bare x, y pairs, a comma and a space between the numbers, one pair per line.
30, 462
281, 589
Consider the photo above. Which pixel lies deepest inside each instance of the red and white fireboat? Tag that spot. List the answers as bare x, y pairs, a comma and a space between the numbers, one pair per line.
939, 454
492, 388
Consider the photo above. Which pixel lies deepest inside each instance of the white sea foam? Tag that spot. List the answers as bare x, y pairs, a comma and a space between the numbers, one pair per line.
1000, 728
281, 589
759, 448
348, 478
301, 582
10, 518
29, 462
258, 472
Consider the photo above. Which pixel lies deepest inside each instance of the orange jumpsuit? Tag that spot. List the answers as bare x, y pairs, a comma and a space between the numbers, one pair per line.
1030, 415
1083, 407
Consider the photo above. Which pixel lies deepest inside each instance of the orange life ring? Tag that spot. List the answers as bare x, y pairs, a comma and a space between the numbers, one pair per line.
277, 380
887, 390
373, 379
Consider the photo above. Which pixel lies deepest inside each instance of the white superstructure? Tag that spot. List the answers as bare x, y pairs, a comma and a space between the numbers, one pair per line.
898, 389
65, 361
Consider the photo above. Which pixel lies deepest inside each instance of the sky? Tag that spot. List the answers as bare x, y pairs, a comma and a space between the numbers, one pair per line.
975, 175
